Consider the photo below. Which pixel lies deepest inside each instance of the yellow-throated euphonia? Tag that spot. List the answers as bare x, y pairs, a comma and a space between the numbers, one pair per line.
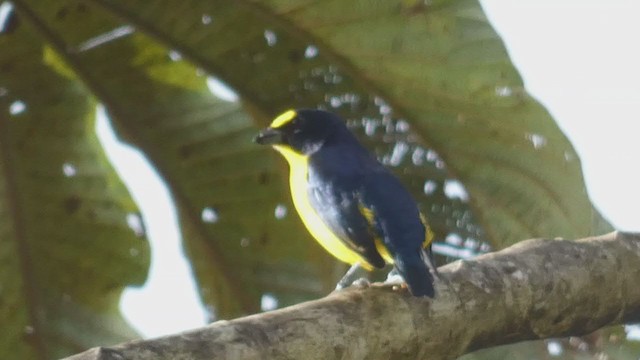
353, 206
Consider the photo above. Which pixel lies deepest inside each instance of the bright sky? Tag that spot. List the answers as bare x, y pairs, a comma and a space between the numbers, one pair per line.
578, 57
581, 59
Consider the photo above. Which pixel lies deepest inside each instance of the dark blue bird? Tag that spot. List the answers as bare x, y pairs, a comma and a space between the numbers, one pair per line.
351, 204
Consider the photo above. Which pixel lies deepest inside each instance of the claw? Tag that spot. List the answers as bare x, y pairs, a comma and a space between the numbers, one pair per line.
394, 278
361, 283
348, 278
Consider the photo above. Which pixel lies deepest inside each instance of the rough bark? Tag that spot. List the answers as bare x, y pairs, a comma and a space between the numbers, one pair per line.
535, 289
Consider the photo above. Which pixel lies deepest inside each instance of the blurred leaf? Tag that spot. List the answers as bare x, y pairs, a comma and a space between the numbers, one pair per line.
520, 351
607, 344
202, 147
503, 144
70, 236
431, 85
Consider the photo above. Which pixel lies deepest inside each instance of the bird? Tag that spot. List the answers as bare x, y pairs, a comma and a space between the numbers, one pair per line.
350, 203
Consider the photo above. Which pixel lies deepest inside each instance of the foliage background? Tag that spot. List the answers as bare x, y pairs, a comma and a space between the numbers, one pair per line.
429, 87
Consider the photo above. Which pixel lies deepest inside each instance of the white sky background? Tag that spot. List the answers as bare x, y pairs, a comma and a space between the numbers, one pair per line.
579, 58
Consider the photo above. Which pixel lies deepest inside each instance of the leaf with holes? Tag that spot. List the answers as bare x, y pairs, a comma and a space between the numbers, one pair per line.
428, 86
66, 248
228, 191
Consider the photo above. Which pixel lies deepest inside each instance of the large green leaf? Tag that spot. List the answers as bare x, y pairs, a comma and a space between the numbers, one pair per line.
608, 343
227, 189
70, 236
440, 68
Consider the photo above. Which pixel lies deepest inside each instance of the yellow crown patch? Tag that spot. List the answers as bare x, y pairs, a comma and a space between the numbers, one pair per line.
283, 119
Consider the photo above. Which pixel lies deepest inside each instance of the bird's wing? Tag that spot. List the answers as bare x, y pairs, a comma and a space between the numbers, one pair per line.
393, 212
341, 210
395, 215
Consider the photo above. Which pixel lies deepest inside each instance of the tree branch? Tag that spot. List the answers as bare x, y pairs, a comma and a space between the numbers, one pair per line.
535, 289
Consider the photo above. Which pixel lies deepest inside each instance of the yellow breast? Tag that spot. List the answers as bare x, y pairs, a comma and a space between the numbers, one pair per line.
298, 165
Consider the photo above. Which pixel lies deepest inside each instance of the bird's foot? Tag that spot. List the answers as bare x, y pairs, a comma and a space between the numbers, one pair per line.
351, 277
394, 278
361, 283
341, 285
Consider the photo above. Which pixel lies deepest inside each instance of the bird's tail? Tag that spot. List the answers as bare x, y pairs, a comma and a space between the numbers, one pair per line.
413, 268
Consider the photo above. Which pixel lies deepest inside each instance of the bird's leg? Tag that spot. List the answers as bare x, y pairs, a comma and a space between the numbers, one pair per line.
355, 274
431, 263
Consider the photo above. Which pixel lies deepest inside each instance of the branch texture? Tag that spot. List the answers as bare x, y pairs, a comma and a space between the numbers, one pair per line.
535, 289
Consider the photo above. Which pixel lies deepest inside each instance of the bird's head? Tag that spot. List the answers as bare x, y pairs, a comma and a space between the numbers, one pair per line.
304, 131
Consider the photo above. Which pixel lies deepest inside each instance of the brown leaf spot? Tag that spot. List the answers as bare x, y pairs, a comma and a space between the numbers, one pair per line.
82, 8
62, 13
6, 67
264, 239
557, 320
263, 179
184, 152
415, 8
72, 204
295, 56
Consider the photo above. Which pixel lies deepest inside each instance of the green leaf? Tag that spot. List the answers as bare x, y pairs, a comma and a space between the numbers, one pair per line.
66, 248
607, 343
226, 188
440, 68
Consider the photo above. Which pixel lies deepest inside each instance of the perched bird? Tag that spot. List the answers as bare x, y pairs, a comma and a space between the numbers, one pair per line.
351, 204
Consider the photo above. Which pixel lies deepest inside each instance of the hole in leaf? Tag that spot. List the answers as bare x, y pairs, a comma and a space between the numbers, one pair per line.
8, 18
453, 239
271, 37
134, 221
310, 52
430, 187
17, 107
244, 242
69, 170
503, 91
175, 55
268, 302
470, 243
221, 90
554, 348
455, 190
397, 155
280, 212
210, 215
537, 140
569, 156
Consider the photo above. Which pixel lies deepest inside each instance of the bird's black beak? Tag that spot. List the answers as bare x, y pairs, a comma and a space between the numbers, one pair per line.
269, 136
